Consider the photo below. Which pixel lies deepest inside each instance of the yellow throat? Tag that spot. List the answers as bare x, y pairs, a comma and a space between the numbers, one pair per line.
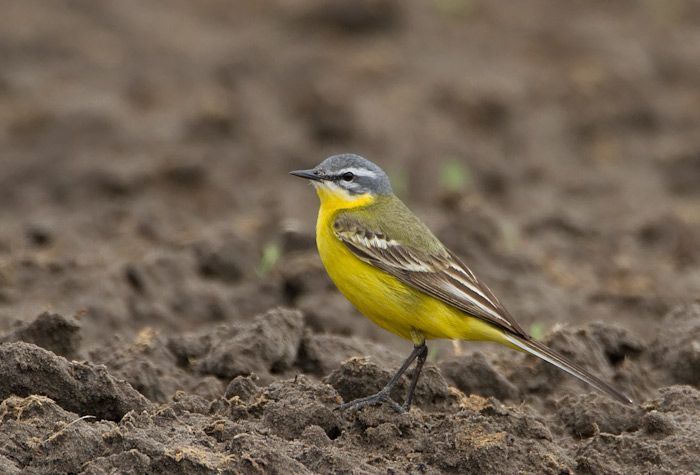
334, 198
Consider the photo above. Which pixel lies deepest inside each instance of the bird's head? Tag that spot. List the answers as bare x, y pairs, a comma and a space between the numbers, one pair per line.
347, 180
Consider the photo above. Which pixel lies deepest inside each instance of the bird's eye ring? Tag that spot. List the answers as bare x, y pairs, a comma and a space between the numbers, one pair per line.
348, 176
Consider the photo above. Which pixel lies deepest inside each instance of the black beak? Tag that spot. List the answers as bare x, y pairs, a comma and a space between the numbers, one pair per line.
308, 174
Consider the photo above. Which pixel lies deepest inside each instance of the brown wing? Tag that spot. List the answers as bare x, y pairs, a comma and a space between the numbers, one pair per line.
438, 273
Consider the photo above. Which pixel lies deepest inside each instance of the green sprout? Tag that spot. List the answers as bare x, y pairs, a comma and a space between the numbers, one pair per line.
537, 331
455, 177
270, 256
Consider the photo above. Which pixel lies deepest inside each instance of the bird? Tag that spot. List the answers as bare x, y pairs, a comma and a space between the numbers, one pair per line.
396, 272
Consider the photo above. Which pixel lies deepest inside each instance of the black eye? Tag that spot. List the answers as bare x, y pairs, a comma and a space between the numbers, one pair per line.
348, 176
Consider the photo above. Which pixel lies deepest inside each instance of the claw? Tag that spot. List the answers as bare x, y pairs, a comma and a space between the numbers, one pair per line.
420, 352
378, 398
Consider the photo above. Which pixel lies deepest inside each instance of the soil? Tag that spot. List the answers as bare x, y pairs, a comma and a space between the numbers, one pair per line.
162, 305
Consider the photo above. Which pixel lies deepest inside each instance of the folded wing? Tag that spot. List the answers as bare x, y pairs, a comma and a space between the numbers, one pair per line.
438, 273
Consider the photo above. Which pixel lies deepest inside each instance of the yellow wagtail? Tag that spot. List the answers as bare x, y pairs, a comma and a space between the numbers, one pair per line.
396, 272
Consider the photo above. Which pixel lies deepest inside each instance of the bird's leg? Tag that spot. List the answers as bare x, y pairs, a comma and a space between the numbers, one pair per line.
420, 352
422, 356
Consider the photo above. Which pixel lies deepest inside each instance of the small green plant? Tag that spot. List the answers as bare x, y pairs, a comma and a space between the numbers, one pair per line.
455, 177
537, 331
270, 256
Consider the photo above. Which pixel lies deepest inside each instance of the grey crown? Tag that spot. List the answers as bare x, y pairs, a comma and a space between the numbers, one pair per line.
369, 177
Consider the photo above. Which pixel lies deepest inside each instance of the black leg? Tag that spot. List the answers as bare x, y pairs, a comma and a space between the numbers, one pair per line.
422, 356
420, 352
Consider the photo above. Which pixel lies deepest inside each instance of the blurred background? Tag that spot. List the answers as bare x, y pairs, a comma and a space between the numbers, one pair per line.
144, 151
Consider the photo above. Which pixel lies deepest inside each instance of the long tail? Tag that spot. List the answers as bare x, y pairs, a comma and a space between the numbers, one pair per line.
550, 356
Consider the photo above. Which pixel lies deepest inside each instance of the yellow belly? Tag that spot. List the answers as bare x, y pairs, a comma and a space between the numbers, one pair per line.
391, 304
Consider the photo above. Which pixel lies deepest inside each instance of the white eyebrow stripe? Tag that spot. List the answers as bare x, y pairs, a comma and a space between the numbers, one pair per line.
358, 172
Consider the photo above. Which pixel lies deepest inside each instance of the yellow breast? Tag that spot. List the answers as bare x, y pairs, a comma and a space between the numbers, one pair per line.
377, 295
382, 298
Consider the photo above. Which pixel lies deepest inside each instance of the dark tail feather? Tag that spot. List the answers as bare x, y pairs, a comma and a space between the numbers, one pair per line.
550, 356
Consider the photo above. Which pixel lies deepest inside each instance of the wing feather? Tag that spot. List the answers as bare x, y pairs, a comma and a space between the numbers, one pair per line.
438, 273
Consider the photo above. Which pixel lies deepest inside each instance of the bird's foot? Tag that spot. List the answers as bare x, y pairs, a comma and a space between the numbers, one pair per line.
381, 396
